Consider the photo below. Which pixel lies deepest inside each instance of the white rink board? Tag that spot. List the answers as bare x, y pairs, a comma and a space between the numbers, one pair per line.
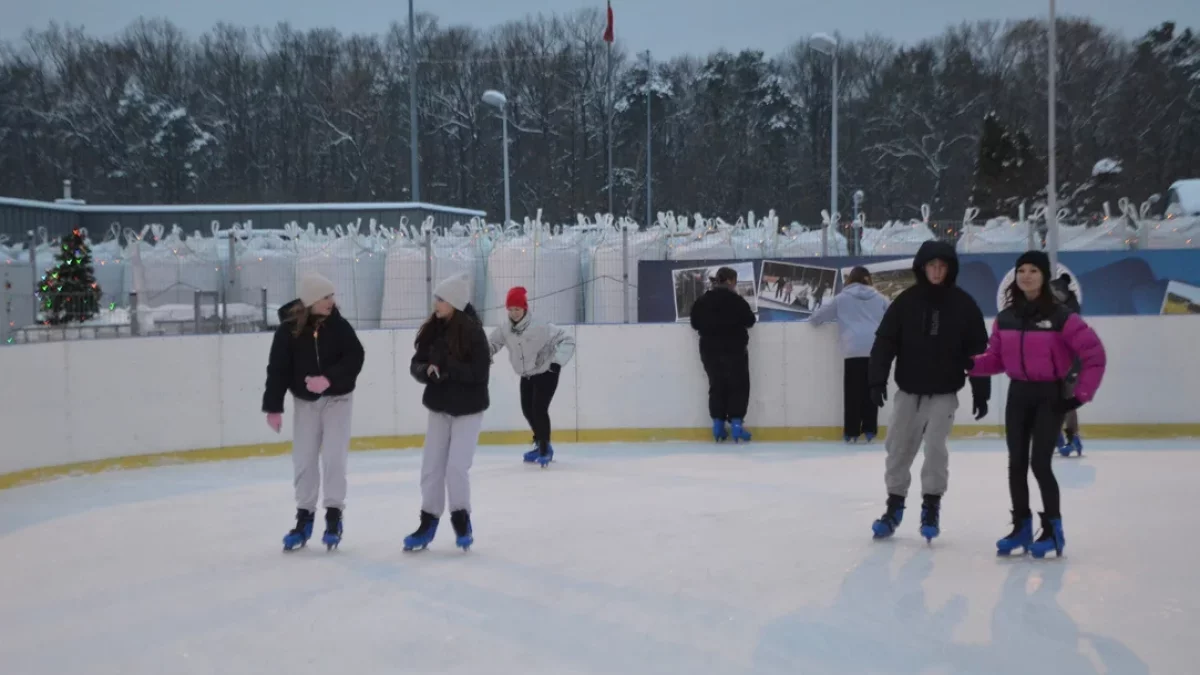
91, 400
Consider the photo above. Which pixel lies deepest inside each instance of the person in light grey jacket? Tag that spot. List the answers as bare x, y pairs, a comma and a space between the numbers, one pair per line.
858, 309
537, 351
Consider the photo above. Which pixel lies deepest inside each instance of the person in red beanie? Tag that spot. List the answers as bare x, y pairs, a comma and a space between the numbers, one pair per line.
538, 351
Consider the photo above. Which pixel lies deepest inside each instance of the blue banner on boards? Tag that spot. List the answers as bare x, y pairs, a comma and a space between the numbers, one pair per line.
1109, 283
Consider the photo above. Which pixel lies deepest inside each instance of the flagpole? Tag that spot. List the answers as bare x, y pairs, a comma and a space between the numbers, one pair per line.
610, 130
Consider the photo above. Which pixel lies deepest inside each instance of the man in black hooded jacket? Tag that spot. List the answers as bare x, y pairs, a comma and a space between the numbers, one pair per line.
931, 330
723, 319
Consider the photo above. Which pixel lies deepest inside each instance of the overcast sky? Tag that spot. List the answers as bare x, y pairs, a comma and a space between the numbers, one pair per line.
667, 27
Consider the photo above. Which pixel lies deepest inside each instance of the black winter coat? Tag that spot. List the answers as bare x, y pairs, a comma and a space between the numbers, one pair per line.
723, 319
462, 387
932, 333
326, 347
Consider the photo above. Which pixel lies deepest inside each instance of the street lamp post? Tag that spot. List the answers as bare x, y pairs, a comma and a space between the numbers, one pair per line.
414, 155
827, 44
1052, 187
499, 101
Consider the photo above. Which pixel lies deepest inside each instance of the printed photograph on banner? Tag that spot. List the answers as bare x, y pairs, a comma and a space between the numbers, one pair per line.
891, 277
1181, 298
692, 282
795, 288
1002, 290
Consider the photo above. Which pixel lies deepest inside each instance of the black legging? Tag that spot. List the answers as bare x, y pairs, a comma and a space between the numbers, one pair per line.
536, 394
1031, 427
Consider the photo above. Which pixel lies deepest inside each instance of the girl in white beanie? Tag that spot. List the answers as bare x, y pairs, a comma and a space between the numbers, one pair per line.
453, 361
317, 356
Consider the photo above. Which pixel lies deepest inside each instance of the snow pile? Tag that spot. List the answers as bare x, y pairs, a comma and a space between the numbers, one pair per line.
715, 239
169, 269
998, 235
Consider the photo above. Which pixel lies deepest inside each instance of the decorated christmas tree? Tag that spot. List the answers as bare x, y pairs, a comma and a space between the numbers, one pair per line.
69, 292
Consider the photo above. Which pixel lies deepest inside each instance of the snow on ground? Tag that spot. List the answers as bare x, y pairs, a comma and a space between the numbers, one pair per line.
664, 558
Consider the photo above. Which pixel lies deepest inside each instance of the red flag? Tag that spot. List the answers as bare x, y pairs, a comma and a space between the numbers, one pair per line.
608, 30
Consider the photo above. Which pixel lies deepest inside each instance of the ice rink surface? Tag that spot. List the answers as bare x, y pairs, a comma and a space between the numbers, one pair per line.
668, 558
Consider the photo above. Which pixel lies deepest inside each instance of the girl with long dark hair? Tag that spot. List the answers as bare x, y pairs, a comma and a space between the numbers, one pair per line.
1035, 340
453, 360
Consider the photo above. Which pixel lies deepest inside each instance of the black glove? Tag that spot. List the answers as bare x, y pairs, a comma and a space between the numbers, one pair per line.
980, 409
1067, 405
878, 395
554, 368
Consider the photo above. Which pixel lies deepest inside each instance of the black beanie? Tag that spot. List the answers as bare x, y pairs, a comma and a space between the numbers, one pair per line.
1039, 260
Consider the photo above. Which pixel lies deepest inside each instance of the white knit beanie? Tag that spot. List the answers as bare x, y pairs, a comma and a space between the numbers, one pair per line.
455, 290
314, 287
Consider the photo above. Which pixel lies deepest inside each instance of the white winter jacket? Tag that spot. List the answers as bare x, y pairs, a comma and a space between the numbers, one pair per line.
533, 345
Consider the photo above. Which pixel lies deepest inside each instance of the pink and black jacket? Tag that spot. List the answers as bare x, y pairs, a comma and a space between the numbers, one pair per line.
1038, 348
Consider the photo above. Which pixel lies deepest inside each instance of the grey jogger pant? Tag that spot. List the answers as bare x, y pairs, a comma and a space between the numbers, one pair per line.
449, 451
320, 448
916, 419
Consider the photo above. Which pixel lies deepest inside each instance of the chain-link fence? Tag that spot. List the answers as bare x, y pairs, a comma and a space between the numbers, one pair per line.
160, 282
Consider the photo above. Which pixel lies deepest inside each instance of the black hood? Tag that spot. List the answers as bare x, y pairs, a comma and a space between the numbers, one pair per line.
936, 250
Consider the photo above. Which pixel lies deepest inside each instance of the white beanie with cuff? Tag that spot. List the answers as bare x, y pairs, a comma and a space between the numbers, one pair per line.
455, 290
313, 287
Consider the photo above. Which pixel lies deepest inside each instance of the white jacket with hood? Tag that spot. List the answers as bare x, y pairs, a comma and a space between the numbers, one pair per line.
858, 309
533, 345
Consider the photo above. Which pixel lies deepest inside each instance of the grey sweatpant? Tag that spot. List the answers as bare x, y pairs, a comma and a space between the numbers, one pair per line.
320, 447
916, 419
449, 451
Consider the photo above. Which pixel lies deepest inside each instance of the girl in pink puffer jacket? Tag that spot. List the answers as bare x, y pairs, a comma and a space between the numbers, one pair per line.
1034, 341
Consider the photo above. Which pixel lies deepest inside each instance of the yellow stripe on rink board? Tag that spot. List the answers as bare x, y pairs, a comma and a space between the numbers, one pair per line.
633, 435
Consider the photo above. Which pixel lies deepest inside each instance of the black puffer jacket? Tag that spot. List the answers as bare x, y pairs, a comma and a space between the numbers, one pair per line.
326, 346
723, 319
462, 387
932, 333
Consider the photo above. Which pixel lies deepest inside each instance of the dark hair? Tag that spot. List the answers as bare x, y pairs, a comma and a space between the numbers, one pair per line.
458, 332
725, 275
859, 275
1044, 303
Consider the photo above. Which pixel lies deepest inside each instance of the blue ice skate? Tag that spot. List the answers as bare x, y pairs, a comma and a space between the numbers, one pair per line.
464, 536
718, 430
890, 520
1051, 539
421, 539
532, 456
850, 439
300, 534
1064, 446
931, 511
1077, 445
333, 529
738, 432
1021, 536
545, 459
870, 436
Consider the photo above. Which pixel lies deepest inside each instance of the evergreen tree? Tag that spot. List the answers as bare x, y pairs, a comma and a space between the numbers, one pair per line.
69, 292
1005, 171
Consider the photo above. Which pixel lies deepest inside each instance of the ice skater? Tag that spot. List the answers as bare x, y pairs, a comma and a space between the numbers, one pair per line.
858, 311
317, 356
723, 319
1071, 441
453, 361
537, 351
931, 330
1035, 341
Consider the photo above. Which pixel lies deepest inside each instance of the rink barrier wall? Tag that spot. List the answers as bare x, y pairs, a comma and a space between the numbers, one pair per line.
88, 406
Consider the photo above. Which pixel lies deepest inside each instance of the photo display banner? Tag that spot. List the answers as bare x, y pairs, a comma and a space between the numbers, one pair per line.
1108, 283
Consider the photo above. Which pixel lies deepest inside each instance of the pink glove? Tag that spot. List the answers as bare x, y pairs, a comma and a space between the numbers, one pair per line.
318, 384
275, 421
